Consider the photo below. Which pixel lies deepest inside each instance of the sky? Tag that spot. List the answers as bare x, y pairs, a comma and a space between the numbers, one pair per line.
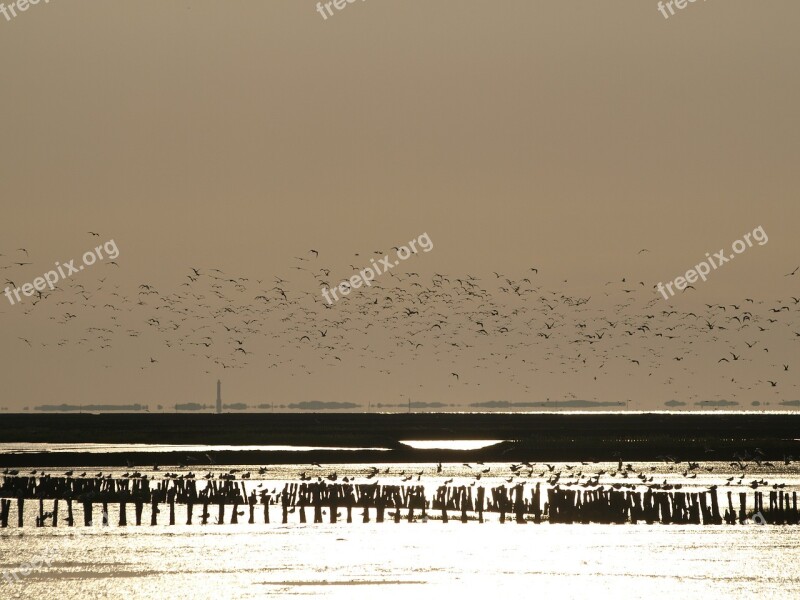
592, 141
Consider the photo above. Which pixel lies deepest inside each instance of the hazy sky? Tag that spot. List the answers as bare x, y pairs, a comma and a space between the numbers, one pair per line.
566, 135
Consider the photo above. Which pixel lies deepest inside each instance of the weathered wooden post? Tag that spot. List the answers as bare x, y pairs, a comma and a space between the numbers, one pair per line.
123, 514
365, 501
397, 502
5, 506
266, 500
87, 514
317, 500
206, 514
479, 500
138, 509
221, 513
70, 517
334, 503
379, 504
731, 512
444, 496
154, 511
189, 511
786, 510
715, 508
646, 506
20, 511
742, 508
519, 505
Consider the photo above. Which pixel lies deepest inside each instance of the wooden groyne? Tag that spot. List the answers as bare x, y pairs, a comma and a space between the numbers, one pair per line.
313, 501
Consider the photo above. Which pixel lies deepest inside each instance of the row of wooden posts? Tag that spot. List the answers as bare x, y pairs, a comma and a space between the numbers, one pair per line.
561, 505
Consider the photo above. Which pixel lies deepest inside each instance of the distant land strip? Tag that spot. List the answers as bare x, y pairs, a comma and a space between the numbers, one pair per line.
318, 406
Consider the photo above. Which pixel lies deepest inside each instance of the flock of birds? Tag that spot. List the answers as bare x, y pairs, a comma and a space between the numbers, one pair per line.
440, 340
750, 467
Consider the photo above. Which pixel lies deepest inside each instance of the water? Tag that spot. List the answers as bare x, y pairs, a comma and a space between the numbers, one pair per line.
430, 559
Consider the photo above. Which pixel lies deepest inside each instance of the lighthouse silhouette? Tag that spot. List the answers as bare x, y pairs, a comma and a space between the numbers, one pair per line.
219, 397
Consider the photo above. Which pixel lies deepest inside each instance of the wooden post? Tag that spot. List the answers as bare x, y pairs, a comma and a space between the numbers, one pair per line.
5, 506
189, 511
206, 514
138, 508
637, 512
87, 514
784, 506
717, 519
519, 507
20, 511
235, 515
105, 514
316, 498
154, 511
172, 511
123, 516
5, 509
70, 518
742, 508
40, 518
731, 512
266, 501
379, 502
480, 503
302, 501
221, 514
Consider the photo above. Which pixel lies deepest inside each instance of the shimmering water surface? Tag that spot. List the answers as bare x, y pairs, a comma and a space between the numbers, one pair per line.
432, 559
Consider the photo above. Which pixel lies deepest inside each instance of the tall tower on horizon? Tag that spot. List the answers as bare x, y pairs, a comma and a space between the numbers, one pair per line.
219, 397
